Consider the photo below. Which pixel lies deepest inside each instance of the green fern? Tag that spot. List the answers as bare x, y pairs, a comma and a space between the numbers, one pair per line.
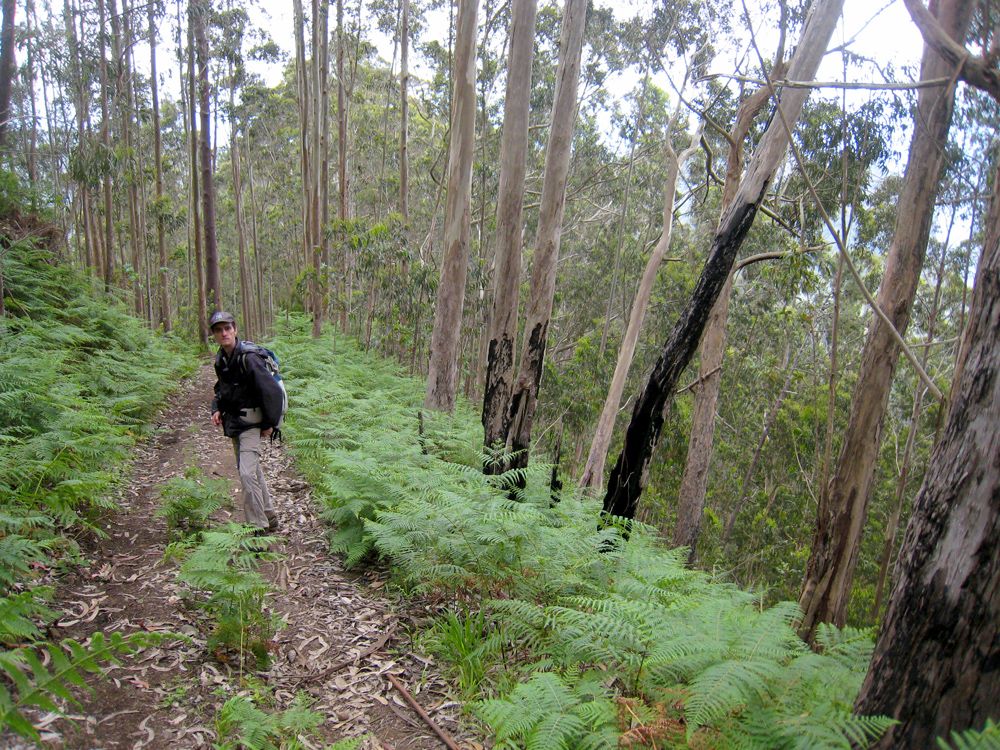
223, 565
566, 595
41, 682
549, 712
987, 738
188, 502
22, 614
240, 724
79, 380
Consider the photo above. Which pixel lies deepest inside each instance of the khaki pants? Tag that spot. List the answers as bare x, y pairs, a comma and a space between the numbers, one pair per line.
257, 505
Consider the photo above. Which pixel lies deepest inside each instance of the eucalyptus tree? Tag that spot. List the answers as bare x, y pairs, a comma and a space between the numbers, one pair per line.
201, 11
631, 470
510, 204
524, 396
937, 645
8, 67
843, 504
194, 197
443, 366
159, 207
109, 236
404, 108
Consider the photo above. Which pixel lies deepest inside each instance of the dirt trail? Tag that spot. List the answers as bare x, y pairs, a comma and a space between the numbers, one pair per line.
168, 697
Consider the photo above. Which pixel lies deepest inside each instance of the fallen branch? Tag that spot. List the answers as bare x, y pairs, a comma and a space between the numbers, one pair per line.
344, 663
445, 737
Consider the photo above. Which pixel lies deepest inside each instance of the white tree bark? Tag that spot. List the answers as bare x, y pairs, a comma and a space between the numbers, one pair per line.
442, 375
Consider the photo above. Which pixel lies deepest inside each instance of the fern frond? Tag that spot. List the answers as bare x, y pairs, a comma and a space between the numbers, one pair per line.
35, 684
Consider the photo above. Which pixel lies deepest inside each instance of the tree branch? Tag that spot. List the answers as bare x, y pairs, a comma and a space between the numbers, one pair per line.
869, 298
977, 71
865, 86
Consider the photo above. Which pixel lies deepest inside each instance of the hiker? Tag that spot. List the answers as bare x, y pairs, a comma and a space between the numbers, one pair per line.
248, 406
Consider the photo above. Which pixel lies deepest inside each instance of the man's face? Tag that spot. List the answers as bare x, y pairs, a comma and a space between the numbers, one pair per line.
224, 335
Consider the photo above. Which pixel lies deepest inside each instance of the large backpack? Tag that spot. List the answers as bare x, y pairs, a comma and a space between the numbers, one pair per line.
273, 366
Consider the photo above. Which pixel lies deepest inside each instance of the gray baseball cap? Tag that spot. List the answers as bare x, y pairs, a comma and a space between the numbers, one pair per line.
220, 317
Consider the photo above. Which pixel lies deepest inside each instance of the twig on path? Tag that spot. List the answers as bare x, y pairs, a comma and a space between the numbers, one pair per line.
343, 663
445, 737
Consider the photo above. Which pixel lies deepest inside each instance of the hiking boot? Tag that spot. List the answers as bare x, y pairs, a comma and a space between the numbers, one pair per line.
272, 522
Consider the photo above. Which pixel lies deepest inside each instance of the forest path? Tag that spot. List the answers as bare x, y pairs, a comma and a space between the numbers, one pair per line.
342, 639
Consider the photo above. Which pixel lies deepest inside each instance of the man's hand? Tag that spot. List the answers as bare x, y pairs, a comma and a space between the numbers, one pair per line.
217, 418
266, 433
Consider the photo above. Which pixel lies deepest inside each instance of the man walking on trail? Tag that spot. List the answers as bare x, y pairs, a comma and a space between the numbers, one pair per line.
247, 404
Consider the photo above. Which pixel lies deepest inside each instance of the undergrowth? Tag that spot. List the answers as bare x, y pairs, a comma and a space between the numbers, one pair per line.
187, 503
80, 381
574, 637
242, 725
220, 569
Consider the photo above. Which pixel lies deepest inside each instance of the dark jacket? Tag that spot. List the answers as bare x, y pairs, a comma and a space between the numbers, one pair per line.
244, 384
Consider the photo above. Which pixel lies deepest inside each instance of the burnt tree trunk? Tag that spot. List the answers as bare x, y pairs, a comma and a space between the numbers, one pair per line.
524, 395
513, 165
935, 667
631, 470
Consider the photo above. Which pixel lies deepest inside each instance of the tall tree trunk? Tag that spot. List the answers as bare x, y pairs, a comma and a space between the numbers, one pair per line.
843, 508
631, 470
202, 10
892, 525
593, 470
239, 218
193, 143
510, 202
29, 84
262, 315
934, 667
302, 91
81, 105
404, 109
342, 185
123, 95
443, 365
8, 68
161, 244
109, 237
694, 480
324, 150
524, 396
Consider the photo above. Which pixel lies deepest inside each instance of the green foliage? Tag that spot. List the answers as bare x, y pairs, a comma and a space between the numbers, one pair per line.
39, 676
79, 378
22, 613
988, 738
468, 643
241, 724
553, 712
188, 502
223, 566
568, 596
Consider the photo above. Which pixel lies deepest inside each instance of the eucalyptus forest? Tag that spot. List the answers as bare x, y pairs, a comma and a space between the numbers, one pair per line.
643, 364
